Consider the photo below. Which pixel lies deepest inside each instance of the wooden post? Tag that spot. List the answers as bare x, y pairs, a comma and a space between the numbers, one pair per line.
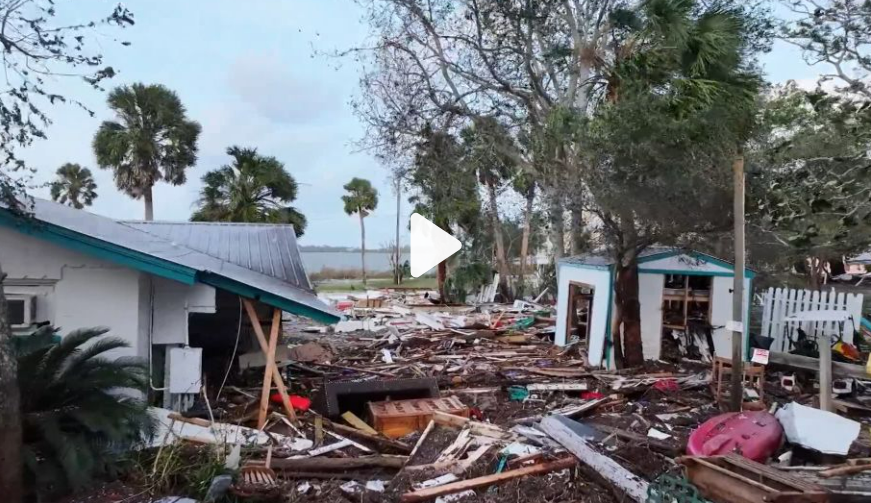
825, 372
737, 393
267, 373
270, 362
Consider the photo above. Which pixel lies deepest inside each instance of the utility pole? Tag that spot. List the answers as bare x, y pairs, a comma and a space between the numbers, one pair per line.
397, 267
737, 393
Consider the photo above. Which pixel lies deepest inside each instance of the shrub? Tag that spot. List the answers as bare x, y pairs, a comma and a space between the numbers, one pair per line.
79, 407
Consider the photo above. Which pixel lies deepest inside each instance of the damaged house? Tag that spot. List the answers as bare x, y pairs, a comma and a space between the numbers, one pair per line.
685, 296
173, 291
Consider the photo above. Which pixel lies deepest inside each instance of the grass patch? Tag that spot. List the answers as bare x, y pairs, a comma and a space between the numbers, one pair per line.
376, 283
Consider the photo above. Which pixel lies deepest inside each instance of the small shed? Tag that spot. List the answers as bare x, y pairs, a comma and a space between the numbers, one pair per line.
677, 289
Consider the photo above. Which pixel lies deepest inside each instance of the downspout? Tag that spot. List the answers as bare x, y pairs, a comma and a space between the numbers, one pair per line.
151, 337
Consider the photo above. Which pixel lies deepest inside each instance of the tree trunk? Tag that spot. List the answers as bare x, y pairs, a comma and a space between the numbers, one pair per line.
397, 267
626, 297
557, 226
527, 229
363, 246
148, 196
441, 276
10, 415
501, 258
577, 230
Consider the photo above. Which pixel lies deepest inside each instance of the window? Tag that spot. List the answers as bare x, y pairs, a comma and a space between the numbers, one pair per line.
685, 299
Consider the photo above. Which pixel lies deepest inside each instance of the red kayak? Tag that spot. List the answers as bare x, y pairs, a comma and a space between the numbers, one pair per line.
755, 435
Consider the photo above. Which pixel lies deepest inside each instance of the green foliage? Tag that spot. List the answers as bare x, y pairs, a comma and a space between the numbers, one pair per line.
813, 173
447, 190
38, 47
74, 185
361, 199
79, 406
152, 139
180, 468
254, 188
467, 278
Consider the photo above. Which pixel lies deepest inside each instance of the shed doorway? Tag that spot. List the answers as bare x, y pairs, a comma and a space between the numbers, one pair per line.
580, 312
686, 318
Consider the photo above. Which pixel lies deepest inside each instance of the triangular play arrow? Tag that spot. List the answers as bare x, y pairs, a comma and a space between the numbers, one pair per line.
429, 245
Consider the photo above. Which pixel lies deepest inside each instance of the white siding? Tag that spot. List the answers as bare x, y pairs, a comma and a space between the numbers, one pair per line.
172, 303
721, 313
600, 280
683, 263
650, 295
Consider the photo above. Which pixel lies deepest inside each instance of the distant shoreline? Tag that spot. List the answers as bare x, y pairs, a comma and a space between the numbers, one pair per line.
329, 249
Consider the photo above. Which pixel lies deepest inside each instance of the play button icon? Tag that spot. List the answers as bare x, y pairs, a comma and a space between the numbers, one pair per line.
429, 245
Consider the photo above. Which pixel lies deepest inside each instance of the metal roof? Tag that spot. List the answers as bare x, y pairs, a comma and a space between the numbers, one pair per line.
604, 260
264, 248
278, 280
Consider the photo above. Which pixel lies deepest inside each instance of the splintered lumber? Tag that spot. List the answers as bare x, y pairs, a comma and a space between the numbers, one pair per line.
486, 481
852, 467
362, 435
559, 429
358, 423
338, 464
476, 427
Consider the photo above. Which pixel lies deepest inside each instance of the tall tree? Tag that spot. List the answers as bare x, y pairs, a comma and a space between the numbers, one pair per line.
680, 100
490, 151
253, 188
835, 34
36, 49
446, 190
812, 190
362, 199
74, 185
525, 185
152, 140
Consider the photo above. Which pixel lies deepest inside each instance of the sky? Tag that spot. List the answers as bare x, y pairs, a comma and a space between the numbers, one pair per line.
252, 74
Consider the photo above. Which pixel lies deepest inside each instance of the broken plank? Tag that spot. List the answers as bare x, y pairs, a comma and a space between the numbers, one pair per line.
362, 435
337, 464
580, 386
358, 423
558, 428
653, 444
486, 481
341, 444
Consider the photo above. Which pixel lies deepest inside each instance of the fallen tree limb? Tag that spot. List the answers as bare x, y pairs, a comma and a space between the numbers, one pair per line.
559, 429
486, 481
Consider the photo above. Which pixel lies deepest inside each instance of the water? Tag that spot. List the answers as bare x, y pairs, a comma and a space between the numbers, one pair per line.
318, 261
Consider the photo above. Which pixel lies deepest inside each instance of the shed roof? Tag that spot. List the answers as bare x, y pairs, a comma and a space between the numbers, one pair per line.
601, 260
270, 270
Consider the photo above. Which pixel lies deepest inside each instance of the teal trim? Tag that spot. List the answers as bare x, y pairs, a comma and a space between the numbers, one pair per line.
866, 323
98, 248
271, 299
609, 321
749, 273
586, 266
747, 354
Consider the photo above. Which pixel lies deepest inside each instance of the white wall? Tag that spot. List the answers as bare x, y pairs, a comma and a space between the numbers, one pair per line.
683, 263
79, 291
721, 313
600, 280
650, 296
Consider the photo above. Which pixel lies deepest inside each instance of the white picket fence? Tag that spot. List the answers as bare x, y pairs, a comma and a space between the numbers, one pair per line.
781, 303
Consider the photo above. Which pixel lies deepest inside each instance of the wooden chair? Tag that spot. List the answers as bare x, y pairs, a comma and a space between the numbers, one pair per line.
754, 377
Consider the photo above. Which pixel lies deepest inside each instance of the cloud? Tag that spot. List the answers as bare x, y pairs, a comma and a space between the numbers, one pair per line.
269, 87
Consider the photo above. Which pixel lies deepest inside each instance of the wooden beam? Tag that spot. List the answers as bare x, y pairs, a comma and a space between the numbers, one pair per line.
633, 486
338, 464
358, 423
839, 369
486, 481
267, 374
270, 363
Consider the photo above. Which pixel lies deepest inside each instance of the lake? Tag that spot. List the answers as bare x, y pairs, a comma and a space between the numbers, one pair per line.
318, 261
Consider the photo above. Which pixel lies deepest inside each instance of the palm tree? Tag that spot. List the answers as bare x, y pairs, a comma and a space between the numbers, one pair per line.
152, 140
361, 199
254, 188
75, 413
74, 185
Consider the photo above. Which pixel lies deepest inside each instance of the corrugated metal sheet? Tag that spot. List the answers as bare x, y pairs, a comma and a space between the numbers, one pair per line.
603, 259
281, 275
267, 249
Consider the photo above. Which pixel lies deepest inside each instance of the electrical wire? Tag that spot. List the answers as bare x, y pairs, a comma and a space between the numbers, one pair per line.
235, 348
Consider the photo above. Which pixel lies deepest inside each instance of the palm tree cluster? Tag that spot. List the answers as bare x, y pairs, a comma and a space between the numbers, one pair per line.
74, 185
79, 406
253, 188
